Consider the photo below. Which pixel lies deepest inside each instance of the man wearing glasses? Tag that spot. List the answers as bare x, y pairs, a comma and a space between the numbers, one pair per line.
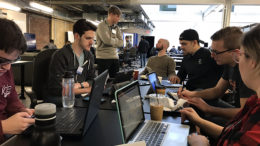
225, 43
14, 117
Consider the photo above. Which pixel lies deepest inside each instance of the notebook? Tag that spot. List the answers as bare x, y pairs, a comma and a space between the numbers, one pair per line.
76, 121
133, 124
154, 81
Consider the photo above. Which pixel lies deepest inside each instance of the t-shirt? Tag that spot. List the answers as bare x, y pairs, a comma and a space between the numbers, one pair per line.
232, 75
9, 102
244, 129
202, 70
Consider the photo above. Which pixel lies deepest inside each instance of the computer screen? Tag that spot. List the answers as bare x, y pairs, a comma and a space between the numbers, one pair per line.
30, 41
152, 77
131, 109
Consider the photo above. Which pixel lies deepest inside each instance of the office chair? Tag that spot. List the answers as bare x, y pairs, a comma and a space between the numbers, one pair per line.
40, 77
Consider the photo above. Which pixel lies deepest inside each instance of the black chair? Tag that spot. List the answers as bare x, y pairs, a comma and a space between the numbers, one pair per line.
40, 77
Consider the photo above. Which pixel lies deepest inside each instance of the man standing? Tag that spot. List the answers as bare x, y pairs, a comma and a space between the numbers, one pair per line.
14, 117
109, 38
162, 64
142, 49
74, 58
197, 64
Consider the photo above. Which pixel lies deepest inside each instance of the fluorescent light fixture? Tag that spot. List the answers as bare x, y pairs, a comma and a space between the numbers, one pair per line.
41, 7
94, 22
9, 6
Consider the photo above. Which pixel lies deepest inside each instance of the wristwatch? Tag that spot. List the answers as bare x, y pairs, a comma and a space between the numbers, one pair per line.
81, 84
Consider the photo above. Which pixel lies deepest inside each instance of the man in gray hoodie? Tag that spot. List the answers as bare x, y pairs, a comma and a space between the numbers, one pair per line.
109, 38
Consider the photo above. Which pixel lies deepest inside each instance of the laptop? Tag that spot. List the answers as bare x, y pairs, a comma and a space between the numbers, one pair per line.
134, 127
76, 121
153, 79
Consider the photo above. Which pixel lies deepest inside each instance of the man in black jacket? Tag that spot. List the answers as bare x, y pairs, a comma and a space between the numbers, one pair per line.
142, 49
74, 58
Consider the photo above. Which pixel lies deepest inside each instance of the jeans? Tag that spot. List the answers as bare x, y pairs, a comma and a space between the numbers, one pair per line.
142, 59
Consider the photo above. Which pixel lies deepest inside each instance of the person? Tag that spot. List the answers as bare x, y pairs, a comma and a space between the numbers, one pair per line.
126, 50
109, 38
162, 64
197, 64
73, 58
50, 45
244, 128
224, 43
142, 50
174, 50
14, 117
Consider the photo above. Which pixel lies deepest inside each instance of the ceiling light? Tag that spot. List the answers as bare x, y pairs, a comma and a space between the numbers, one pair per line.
41, 7
9, 6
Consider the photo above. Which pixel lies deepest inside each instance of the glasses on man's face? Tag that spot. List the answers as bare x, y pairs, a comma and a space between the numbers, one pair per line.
215, 52
4, 61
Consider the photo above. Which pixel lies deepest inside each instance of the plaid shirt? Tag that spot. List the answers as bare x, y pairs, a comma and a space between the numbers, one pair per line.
244, 129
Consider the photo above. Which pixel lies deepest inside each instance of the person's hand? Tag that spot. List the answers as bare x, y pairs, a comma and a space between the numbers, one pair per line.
174, 79
197, 140
199, 103
189, 114
85, 84
17, 123
29, 111
187, 93
77, 86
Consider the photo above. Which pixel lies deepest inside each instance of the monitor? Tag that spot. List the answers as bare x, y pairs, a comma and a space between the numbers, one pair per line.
30, 41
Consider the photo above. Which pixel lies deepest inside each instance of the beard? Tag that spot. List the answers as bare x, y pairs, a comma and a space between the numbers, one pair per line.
159, 48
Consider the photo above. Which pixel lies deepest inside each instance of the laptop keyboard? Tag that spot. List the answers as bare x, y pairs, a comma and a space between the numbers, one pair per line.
153, 133
70, 119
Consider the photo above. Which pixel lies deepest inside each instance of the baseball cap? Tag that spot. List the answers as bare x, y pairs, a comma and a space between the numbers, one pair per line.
189, 35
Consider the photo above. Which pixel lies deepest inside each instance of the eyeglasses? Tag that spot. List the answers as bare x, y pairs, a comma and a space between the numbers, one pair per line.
238, 54
217, 52
4, 61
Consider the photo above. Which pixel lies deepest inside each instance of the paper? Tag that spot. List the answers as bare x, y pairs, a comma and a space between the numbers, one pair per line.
139, 143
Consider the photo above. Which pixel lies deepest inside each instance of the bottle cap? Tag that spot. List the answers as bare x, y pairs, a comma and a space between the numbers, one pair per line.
45, 113
68, 74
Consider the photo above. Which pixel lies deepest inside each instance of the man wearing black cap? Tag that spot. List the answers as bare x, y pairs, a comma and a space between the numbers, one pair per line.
202, 70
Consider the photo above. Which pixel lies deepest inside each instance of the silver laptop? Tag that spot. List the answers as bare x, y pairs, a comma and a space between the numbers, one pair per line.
134, 127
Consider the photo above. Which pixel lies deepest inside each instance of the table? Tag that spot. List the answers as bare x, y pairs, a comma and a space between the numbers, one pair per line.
21, 64
104, 131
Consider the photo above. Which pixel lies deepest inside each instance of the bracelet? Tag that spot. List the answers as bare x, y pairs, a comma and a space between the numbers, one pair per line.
81, 84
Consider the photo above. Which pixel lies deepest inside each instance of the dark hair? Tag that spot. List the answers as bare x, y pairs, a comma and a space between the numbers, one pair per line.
230, 35
11, 37
51, 41
114, 10
142, 37
251, 44
82, 25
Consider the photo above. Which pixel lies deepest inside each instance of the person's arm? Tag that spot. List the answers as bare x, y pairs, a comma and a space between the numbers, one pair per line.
227, 113
210, 128
211, 93
182, 72
197, 140
79, 90
105, 35
171, 67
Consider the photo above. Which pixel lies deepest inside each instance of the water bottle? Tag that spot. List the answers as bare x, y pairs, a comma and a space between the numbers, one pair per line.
68, 97
44, 133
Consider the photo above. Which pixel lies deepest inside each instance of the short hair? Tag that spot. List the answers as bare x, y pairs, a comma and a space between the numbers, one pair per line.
51, 41
114, 10
82, 25
251, 44
11, 37
230, 35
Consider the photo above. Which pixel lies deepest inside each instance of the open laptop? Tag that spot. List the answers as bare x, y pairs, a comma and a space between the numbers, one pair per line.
134, 126
153, 78
76, 121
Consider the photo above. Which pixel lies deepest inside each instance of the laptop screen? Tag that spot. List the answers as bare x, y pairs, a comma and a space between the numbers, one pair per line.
152, 77
130, 108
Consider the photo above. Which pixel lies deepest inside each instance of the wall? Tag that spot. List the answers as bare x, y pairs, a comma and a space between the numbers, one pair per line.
59, 28
40, 26
17, 17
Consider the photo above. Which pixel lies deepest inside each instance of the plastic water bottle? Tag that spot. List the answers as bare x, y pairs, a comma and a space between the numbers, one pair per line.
68, 97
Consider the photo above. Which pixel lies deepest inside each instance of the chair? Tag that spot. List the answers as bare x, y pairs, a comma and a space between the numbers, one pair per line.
40, 77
